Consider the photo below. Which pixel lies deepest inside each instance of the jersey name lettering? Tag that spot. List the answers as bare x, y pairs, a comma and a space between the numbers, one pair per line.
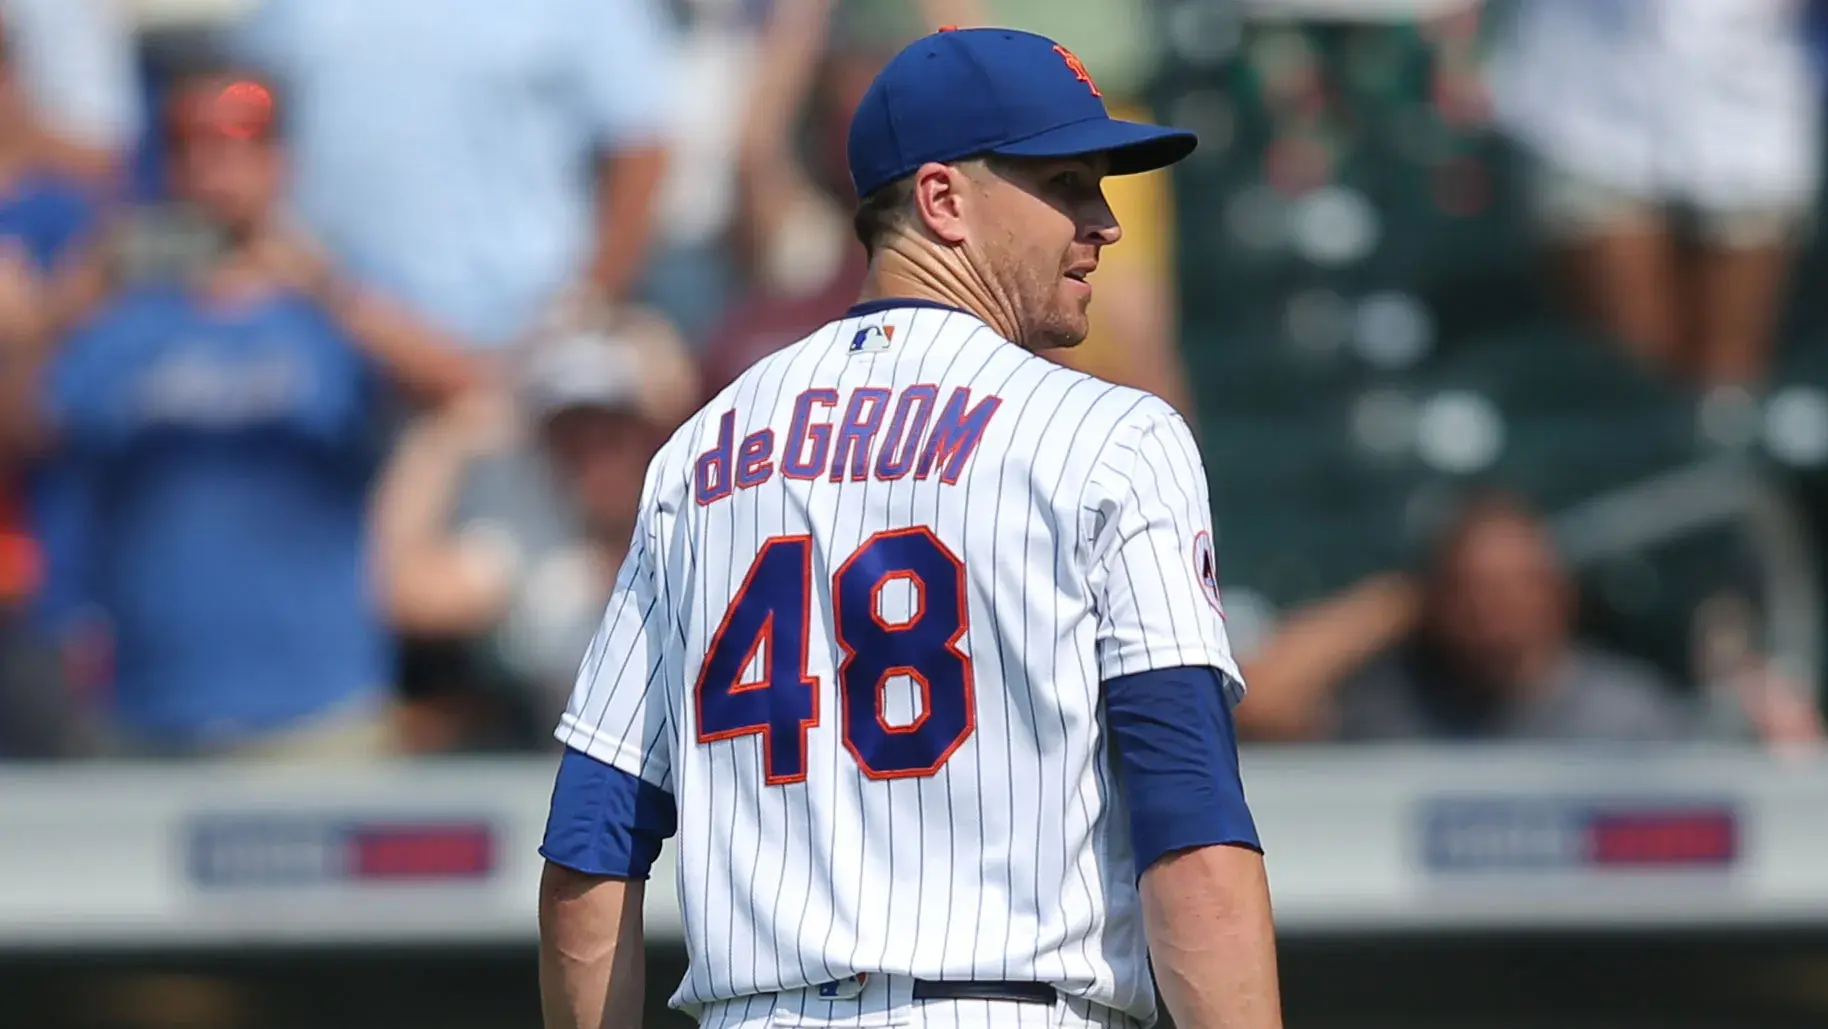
866, 433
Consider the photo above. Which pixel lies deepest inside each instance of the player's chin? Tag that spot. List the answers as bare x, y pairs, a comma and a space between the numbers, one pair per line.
1065, 332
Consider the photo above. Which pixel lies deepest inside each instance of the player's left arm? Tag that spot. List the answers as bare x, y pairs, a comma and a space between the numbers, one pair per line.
1170, 684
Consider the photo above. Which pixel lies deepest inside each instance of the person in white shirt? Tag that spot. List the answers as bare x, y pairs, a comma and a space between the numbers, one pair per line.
1652, 123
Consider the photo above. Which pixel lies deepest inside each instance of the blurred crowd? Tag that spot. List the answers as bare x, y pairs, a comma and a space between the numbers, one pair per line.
335, 336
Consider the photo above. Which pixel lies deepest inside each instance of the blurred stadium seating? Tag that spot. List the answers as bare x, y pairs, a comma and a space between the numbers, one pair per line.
1368, 331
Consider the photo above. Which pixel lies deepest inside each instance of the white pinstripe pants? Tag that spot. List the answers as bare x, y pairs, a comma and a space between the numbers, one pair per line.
888, 1001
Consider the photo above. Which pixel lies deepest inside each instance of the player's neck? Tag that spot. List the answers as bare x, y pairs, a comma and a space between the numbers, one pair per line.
896, 273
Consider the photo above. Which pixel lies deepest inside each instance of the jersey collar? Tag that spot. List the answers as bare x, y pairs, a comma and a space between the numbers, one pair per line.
869, 307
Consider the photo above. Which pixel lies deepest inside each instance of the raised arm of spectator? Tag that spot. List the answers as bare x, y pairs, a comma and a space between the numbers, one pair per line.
1294, 674
21, 350
422, 361
625, 59
35, 310
438, 581
427, 364
792, 41
75, 59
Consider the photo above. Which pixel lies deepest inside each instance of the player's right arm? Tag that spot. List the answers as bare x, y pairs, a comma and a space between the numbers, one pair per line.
591, 950
1170, 684
612, 806
602, 837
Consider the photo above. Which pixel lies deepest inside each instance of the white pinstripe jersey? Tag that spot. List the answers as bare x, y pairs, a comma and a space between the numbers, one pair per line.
860, 635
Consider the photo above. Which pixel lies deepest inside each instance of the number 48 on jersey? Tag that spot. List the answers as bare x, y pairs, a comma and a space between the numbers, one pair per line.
771, 615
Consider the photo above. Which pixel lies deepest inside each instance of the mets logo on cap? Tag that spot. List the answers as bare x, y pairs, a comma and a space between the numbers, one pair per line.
1206, 569
872, 339
1077, 67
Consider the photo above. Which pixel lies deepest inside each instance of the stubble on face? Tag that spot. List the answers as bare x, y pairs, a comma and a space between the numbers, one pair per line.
1042, 219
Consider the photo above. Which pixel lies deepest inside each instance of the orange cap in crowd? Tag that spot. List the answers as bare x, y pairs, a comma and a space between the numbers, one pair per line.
237, 108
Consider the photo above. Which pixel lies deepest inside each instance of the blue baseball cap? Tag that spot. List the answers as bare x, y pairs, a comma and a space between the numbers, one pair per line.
966, 92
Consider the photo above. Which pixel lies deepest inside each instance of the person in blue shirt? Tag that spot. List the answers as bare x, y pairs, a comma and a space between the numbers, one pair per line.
223, 423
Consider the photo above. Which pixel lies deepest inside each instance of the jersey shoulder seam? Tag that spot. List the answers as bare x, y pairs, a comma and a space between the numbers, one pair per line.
1146, 412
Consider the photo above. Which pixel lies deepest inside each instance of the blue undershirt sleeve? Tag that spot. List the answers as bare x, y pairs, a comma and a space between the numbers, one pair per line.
605, 821
1177, 758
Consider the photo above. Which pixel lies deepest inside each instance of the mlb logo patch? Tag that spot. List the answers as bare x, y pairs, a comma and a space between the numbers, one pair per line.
872, 339
844, 989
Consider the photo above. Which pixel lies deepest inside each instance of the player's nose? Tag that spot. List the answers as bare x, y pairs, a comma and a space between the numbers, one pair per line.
1100, 226
1102, 235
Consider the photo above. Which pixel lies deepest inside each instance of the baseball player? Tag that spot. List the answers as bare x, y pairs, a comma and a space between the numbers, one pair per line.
919, 647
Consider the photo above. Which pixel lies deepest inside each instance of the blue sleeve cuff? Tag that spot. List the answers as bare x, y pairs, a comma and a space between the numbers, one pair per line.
605, 821
1177, 758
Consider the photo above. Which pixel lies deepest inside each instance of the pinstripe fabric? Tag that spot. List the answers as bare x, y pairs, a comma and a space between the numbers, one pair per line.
1077, 518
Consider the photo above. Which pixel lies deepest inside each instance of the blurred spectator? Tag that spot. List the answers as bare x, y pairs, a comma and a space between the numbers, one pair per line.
45, 208
491, 164
506, 523
74, 59
748, 69
726, 50
1481, 646
218, 415
805, 266
1654, 121
791, 229
47, 214
38, 716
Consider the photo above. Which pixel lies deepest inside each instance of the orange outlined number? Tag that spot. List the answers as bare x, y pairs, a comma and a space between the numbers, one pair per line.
1077, 67
923, 647
766, 624
767, 627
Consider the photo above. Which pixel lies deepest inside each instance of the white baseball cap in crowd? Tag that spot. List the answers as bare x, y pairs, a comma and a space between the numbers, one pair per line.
632, 370
586, 369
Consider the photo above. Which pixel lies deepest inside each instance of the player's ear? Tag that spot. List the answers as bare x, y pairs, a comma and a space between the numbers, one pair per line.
939, 199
